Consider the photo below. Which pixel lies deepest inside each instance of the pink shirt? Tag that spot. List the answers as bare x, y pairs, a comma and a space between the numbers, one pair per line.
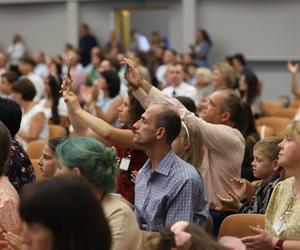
9, 202
223, 147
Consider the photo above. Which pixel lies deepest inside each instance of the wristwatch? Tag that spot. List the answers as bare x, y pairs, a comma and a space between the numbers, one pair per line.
279, 244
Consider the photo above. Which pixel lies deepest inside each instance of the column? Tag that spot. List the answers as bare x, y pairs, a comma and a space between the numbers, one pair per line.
188, 23
72, 22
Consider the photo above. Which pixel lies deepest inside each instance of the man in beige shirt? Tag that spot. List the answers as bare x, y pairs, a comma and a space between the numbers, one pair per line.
224, 145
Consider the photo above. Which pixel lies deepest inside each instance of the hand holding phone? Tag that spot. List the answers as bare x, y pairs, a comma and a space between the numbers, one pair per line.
69, 66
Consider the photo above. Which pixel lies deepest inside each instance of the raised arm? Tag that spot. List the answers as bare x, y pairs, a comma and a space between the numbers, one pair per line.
82, 121
293, 69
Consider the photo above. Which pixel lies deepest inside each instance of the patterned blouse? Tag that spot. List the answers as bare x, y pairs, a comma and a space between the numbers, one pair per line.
9, 201
19, 168
282, 215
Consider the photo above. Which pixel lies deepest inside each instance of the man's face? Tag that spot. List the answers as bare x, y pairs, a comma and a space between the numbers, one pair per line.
145, 128
175, 74
212, 108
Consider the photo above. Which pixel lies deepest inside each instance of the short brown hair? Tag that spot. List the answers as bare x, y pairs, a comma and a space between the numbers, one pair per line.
25, 87
269, 146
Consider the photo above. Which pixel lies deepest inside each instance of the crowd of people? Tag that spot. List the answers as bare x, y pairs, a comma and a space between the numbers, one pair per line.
160, 148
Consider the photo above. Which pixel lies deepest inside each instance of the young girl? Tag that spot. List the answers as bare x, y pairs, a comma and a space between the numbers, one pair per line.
265, 167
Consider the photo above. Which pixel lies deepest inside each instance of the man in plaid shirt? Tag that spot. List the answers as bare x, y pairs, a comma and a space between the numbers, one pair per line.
167, 188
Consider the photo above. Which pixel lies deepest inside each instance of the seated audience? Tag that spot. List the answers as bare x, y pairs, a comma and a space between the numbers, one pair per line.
34, 123
265, 167
61, 213
9, 198
177, 85
26, 67
223, 144
251, 137
282, 223
88, 158
53, 104
109, 98
203, 85
47, 161
223, 76
250, 92
6, 80
167, 181
40, 68
19, 169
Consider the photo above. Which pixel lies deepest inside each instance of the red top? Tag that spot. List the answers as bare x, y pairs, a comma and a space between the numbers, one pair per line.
125, 186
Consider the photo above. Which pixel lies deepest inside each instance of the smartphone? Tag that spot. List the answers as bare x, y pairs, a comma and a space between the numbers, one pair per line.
126, 68
69, 66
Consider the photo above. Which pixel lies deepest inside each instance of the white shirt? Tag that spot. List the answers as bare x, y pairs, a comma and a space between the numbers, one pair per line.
41, 70
142, 43
38, 84
183, 89
61, 108
16, 52
160, 74
26, 121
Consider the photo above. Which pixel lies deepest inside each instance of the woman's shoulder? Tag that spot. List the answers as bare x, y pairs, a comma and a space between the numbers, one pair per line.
284, 186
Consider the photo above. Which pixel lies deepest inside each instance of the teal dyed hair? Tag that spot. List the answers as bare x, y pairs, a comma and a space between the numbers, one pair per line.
95, 161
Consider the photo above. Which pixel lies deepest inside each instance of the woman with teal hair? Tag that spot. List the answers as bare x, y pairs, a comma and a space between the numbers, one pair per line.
88, 158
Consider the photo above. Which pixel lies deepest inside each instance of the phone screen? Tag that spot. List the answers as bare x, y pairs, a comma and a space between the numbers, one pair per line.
69, 66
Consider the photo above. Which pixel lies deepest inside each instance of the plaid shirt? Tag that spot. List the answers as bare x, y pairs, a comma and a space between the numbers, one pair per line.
172, 192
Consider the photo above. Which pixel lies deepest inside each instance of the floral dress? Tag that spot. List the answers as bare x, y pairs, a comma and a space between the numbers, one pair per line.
19, 168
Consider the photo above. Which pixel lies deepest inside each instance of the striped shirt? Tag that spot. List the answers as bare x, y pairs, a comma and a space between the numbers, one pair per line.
170, 193
261, 197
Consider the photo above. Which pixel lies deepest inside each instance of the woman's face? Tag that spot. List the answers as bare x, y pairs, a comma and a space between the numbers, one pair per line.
199, 80
218, 79
123, 110
289, 156
37, 237
180, 145
243, 85
102, 84
47, 162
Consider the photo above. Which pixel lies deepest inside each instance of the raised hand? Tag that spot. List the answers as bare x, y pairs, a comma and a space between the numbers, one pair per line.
132, 74
239, 187
293, 67
70, 98
133, 176
233, 202
67, 84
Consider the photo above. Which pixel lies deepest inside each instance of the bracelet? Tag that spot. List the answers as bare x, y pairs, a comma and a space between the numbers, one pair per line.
279, 244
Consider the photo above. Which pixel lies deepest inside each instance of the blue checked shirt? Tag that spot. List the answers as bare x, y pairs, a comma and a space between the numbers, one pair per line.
173, 192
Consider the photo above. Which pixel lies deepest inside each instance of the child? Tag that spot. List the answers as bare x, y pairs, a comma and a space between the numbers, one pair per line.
265, 167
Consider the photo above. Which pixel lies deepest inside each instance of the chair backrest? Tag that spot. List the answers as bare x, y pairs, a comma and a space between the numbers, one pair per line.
295, 103
285, 112
56, 131
270, 106
35, 149
265, 131
279, 124
238, 224
37, 170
